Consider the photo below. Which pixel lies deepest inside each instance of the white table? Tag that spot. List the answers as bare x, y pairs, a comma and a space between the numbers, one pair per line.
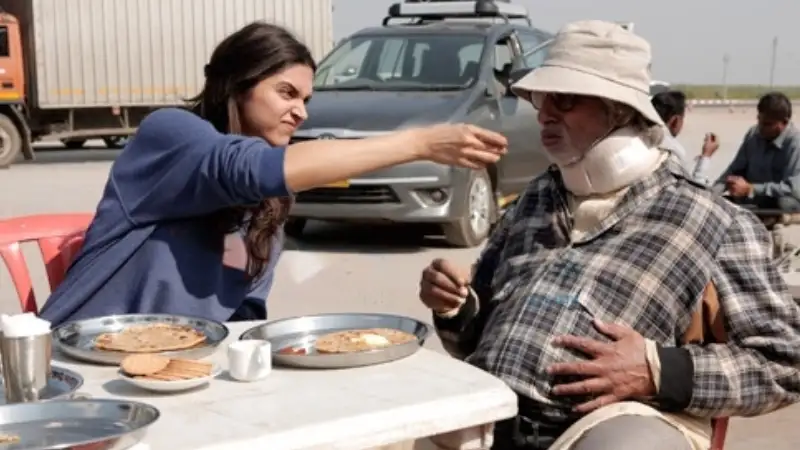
423, 395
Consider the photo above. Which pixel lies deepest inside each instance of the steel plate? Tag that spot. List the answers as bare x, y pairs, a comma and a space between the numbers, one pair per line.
76, 424
303, 331
77, 339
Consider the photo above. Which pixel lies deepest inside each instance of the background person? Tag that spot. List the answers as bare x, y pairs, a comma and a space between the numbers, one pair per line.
765, 173
671, 106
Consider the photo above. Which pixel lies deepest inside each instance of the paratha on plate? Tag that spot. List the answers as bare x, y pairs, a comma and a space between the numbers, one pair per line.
151, 338
351, 341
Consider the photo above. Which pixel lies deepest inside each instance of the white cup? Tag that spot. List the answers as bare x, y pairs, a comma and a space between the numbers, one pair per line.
249, 360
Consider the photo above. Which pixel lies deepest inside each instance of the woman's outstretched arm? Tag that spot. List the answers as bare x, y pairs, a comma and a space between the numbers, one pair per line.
177, 165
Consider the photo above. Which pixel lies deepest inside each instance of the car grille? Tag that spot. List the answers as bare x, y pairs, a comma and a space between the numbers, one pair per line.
359, 194
296, 139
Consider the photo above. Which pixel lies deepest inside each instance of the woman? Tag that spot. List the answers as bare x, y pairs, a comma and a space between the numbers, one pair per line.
190, 219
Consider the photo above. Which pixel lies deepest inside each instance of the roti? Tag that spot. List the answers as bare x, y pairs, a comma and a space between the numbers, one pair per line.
351, 341
151, 338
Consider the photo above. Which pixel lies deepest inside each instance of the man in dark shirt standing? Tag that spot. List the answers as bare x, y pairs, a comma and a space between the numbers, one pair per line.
765, 173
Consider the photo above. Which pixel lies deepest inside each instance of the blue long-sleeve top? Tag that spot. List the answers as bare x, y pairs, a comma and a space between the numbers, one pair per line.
151, 247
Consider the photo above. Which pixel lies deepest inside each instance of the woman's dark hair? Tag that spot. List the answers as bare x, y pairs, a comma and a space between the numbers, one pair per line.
239, 63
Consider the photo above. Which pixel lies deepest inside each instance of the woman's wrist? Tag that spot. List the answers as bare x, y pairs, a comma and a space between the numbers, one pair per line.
415, 143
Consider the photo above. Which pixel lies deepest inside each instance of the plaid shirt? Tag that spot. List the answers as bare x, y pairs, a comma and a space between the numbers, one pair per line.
646, 265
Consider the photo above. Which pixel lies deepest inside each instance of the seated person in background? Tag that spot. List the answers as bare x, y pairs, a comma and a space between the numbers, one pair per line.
765, 173
671, 106
604, 296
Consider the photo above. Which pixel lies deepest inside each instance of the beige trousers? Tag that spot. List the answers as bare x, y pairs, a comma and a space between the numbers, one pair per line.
631, 420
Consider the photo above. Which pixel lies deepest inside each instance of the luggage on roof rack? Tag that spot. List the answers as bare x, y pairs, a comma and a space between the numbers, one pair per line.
446, 9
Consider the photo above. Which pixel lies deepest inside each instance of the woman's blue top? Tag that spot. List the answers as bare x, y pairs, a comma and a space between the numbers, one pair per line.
152, 248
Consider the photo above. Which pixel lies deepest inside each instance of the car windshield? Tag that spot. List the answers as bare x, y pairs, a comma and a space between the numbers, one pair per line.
424, 62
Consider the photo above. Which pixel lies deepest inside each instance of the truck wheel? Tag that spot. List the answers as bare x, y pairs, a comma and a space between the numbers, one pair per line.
114, 141
73, 144
294, 227
481, 212
10, 142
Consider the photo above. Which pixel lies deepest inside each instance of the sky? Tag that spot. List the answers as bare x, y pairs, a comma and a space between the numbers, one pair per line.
689, 38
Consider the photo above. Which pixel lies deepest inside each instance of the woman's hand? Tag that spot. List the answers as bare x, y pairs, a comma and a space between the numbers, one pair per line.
459, 145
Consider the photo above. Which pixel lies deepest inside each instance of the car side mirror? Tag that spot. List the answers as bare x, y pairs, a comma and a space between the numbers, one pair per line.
515, 76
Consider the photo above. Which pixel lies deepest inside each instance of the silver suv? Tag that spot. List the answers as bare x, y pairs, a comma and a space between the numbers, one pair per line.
429, 70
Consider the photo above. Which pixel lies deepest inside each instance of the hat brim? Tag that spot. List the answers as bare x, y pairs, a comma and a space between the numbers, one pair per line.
570, 81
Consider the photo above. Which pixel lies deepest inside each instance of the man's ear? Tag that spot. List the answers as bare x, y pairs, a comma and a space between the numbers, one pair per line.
674, 124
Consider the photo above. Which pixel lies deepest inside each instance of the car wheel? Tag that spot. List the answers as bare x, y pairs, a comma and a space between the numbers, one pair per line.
115, 141
481, 213
294, 227
73, 144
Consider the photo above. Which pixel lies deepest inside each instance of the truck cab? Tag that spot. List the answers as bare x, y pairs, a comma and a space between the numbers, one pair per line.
429, 62
12, 90
12, 72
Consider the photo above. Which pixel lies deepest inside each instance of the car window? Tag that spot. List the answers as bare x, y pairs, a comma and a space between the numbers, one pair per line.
393, 62
529, 40
391, 57
502, 55
535, 57
4, 47
344, 63
470, 54
534, 47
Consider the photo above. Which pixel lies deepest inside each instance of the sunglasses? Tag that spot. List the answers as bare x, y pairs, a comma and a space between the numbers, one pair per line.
562, 102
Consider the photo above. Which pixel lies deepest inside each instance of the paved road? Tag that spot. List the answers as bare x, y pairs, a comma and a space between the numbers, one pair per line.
364, 268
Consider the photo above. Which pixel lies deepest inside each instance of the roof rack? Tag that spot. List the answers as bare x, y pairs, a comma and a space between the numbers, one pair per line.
446, 9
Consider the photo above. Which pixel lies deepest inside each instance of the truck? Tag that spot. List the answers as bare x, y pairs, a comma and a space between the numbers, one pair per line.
73, 70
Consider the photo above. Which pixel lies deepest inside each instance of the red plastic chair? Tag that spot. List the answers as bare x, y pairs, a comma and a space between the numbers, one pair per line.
719, 430
59, 237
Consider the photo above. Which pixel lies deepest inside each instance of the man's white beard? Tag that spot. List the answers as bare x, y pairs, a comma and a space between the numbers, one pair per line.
567, 155
613, 163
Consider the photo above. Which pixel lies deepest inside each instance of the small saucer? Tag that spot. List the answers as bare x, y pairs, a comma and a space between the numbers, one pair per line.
170, 386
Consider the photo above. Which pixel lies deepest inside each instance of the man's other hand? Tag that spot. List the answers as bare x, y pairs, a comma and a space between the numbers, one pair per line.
443, 286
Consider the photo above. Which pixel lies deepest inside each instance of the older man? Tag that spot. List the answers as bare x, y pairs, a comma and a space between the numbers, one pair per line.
604, 295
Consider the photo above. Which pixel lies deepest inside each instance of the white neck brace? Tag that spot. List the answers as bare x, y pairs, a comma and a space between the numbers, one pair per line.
615, 162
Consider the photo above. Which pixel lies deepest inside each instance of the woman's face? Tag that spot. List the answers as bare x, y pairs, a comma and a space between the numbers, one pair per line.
276, 106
